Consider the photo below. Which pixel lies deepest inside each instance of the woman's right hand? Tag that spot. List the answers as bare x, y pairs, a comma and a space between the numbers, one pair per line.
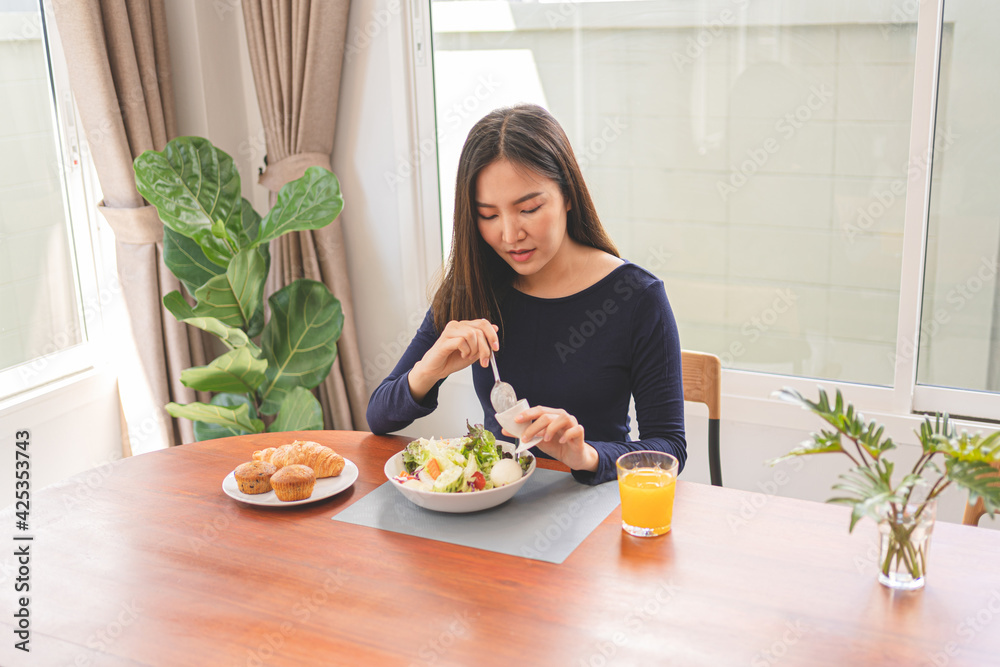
461, 344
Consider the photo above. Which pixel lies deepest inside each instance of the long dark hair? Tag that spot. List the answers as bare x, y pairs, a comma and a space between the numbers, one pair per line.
527, 136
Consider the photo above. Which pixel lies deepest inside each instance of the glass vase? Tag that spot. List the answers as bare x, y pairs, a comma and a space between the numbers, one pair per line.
905, 534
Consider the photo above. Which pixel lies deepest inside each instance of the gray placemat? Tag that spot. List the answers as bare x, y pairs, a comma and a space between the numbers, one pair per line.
546, 520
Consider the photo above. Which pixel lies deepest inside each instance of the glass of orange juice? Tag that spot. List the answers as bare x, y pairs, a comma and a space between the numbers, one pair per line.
646, 481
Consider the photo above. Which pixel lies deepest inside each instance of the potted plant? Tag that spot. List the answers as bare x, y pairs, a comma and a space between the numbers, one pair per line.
217, 246
905, 510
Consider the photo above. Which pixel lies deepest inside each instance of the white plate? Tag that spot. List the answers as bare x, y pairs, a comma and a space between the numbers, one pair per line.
457, 503
325, 487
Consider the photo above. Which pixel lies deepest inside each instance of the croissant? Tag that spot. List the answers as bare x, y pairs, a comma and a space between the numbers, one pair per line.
324, 461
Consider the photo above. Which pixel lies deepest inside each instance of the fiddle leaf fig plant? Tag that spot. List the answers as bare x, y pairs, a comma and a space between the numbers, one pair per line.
216, 244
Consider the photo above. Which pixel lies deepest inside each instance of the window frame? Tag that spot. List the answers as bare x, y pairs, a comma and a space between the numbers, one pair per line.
747, 394
80, 196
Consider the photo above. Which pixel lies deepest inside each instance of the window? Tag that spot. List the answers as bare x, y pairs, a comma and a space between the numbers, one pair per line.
769, 161
48, 291
960, 319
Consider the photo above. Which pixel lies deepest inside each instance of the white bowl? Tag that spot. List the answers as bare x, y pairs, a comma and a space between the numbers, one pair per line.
457, 502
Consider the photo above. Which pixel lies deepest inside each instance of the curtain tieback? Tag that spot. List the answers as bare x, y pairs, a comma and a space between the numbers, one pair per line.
136, 226
291, 168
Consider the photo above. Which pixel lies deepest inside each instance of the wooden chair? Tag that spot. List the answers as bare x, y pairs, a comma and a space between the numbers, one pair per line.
975, 512
703, 384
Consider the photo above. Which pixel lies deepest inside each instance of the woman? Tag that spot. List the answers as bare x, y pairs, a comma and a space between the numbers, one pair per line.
536, 279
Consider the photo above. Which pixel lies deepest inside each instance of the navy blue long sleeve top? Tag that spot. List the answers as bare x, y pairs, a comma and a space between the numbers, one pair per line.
586, 353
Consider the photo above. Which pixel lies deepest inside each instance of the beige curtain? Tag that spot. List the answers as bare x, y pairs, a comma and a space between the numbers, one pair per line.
296, 52
116, 52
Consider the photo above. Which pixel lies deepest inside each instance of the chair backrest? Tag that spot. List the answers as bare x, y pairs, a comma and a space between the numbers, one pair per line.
974, 512
703, 380
703, 384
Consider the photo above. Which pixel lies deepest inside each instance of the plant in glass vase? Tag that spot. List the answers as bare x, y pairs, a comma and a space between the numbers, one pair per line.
217, 246
904, 511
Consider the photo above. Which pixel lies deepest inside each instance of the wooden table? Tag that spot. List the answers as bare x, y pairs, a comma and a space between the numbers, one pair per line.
147, 562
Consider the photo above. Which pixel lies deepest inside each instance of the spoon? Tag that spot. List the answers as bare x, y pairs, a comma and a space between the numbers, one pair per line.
502, 395
503, 398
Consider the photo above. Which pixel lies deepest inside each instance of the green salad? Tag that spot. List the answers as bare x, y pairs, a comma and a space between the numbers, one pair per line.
460, 465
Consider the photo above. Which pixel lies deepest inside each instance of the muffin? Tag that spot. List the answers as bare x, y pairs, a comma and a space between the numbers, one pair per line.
294, 482
255, 477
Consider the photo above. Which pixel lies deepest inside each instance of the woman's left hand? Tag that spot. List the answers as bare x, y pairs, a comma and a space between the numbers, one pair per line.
562, 436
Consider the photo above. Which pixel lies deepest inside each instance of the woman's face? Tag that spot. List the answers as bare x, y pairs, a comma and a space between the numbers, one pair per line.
522, 216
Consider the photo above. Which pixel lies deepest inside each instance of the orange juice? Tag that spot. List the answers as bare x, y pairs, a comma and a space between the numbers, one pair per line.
647, 500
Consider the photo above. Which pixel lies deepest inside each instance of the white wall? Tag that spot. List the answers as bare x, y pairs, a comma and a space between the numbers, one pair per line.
74, 427
390, 293
213, 85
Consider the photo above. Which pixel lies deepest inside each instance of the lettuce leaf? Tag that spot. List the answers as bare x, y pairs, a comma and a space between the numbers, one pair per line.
484, 448
451, 480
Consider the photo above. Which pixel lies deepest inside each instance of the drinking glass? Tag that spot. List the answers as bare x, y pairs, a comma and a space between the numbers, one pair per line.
646, 482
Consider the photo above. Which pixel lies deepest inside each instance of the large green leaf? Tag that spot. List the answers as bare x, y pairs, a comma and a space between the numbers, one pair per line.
235, 418
187, 261
309, 202
236, 371
300, 340
195, 188
867, 436
216, 299
256, 324
936, 436
868, 490
177, 306
824, 442
968, 447
246, 274
246, 238
243, 225
232, 337
236, 297
980, 479
206, 431
300, 411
